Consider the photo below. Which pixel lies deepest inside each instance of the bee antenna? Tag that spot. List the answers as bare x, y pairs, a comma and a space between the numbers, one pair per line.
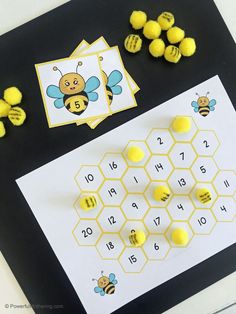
207, 93
197, 94
56, 69
102, 272
94, 279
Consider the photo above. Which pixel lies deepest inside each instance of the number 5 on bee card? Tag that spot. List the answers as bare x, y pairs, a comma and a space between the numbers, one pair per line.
72, 90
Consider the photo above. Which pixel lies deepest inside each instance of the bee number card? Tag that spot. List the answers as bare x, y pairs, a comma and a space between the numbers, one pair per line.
114, 235
73, 90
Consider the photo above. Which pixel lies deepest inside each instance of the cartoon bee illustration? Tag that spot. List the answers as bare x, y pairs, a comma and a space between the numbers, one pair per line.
111, 82
73, 92
105, 285
203, 105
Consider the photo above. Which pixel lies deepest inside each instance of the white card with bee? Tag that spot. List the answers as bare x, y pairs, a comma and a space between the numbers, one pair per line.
72, 90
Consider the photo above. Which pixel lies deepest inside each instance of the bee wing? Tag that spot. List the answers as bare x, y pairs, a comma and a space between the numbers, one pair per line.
194, 104
114, 282
92, 96
114, 78
98, 290
59, 103
53, 91
212, 104
116, 90
112, 277
92, 84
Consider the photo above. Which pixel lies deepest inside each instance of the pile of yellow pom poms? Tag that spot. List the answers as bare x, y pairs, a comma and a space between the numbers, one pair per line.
152, 29
8, 108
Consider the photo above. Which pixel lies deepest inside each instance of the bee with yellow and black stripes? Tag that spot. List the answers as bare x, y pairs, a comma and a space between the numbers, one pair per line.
105, 285
111, 83
203, 105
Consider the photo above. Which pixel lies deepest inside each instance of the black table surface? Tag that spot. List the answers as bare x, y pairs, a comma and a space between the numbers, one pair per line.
55, 35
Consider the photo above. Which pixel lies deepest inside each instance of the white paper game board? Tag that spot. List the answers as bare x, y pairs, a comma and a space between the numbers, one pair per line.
87, 243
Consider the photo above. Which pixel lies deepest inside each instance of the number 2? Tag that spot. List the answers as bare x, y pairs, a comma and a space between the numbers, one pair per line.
160, 140
206, 143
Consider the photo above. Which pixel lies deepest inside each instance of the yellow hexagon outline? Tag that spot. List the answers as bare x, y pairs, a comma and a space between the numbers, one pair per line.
219, 143
212, 210
163, 155
188, 169
121, 179
196, 156
104, 205
141, 219
77, 241
114, 153
176, 246
204, 234
145, 224
135, 273
134, 220
110, 259
82, 192
223, 170
135, 165
205, 157
97, 219
157, 259
172, 132
163, 129
77, 173
161, 181
180, 195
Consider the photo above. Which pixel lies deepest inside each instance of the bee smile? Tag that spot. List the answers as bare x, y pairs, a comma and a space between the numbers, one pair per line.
72, 88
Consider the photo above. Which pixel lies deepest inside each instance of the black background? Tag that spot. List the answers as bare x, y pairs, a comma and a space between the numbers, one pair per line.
55, 35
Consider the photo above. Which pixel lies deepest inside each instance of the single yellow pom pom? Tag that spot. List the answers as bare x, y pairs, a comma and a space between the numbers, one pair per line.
187, 47
12, 96
175, 35
181, 124
2, 129
161, 193
137, 238
180, 236
138, 19
166, 20
157, 48
135, 154
152, 30
17, 116
204, 195
4, 108
88, 202
172, 54
133, 43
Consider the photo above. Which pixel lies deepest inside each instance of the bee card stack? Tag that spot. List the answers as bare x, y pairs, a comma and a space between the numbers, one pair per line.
86, 87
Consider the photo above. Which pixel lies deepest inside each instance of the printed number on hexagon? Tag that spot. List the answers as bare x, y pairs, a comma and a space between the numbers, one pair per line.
160, 141
111, 219
202, 222
132, 260
110, 246
87, 232
89, 178
113, 165
206, 143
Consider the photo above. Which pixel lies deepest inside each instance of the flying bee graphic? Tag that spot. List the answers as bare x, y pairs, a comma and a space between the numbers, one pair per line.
105, 285
111, 82
73, 92
203, 105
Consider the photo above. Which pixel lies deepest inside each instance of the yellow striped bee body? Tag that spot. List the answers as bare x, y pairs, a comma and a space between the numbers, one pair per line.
109, 94
111, 82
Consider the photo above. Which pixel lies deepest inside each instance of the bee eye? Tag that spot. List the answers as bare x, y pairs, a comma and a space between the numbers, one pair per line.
67, 83
75, 82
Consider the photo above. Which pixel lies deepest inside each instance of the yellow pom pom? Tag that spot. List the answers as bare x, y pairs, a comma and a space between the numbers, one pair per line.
175, 35
166, 20
4, 108
161, 193
172, 54
2, 129
181, 124
135, 154
138, 19
152, 30
17, 116
12, 96
137, 238
204, 195
187, 47
157, 48
133, 43
180, 236
88, 202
